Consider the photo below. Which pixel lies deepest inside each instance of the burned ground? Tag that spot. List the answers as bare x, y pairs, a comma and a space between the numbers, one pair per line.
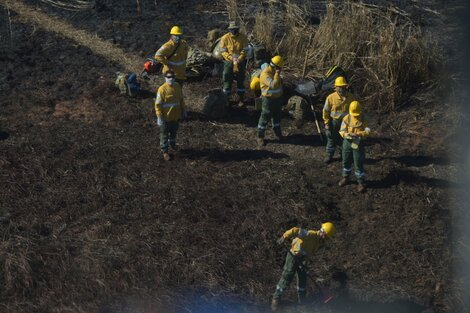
92, 219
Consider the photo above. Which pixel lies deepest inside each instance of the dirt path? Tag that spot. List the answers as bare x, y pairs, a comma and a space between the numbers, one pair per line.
109, 51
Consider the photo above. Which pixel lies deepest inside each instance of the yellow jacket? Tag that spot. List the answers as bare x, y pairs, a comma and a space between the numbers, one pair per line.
270, 82
177, 62
170, 103
231, 45
335, 107
305, 242
354, 125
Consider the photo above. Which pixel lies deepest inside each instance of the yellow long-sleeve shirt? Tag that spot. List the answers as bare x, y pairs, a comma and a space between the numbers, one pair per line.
335, 107
305, 242
233, 46
270, 82
177, 61
169, 103
354, 125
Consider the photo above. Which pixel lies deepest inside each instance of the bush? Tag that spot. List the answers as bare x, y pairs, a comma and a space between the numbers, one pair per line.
389, 58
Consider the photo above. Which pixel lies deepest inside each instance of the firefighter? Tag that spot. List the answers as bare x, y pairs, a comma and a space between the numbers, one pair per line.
170, 109
353, 130
304, 244
173, 55
271, 99
335, 108
233, 48
255, 85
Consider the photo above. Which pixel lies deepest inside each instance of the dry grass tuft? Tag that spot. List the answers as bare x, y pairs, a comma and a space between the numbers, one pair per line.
388, 57
15, 271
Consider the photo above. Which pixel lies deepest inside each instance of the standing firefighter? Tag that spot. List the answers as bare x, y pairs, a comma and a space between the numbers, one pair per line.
170, 108
304, 244
353, 130
336, 107
271, 99
233, 48
173, 54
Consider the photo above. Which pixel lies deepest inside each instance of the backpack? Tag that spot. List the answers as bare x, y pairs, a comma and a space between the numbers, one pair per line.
328, 83
151, 67
215, 104
127, 84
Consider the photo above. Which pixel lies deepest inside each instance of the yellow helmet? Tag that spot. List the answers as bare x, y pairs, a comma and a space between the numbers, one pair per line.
277, 60
340, 81
355, 108
329, 229
176, 30
255, 84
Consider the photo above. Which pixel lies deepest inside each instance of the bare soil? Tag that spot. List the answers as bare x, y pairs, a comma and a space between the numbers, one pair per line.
93, 220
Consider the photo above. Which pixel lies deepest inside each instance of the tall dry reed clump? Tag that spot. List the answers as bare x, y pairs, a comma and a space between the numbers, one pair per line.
388, 57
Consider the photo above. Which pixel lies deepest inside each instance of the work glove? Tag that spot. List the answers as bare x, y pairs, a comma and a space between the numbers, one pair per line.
235, 65
185, 114
160, 121
281, 240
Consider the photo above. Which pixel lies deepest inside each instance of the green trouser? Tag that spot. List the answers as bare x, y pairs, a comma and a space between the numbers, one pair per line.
333, 137
271, 109
229, 75
168, 135
294, 265
357, 156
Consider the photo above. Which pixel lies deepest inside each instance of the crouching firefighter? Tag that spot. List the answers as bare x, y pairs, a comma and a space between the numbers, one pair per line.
353, 130
170, 109
304, 243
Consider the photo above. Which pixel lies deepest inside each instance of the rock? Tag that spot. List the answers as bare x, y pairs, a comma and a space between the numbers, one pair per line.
299, 107
216, 104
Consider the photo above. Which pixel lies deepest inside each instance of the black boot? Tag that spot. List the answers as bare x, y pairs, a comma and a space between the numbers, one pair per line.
328, 159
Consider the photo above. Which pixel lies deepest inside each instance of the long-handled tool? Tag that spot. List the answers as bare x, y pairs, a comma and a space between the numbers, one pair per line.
315, 117
327, 294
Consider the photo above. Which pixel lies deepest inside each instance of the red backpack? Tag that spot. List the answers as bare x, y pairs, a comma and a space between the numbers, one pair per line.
151, 66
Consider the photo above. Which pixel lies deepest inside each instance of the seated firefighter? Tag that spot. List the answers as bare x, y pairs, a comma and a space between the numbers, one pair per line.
170, 109
233, 48
353, 130
173, 54
304, 243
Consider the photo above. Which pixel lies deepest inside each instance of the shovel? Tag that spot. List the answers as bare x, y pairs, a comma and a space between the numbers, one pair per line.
316, 120
306, 89
327, 294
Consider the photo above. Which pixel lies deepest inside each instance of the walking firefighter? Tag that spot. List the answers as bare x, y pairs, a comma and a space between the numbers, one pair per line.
353, 130
271, 99
304, 244
233, 48
335, 108
173, 54
170, 109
